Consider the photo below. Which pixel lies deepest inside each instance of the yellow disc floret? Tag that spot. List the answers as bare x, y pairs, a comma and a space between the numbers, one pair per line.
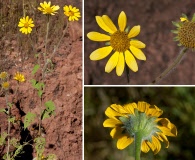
119, 41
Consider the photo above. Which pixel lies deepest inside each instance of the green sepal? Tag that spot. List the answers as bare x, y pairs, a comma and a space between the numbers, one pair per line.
193, 18
184, 16
176, 38
107, 43
124, 120
174, 31
179, 44
176, 24
127, 29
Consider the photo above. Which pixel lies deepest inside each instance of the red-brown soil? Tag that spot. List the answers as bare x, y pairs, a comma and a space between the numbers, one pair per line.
63, 131
155, 19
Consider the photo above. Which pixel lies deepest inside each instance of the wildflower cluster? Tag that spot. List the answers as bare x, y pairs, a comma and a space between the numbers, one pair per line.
4, 77
26, 23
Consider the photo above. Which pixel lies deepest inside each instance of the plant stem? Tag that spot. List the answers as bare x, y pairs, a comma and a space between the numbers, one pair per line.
9, 126
138, 142
171, 67
127, 73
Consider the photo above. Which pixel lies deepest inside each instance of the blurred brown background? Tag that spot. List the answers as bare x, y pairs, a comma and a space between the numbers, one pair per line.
155, 18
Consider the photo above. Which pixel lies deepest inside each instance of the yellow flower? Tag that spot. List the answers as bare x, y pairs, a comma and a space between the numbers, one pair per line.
185, 31
120, 41
19, 77
3, 75
26, 25
72, 12
5, 85
46, 8
132, 118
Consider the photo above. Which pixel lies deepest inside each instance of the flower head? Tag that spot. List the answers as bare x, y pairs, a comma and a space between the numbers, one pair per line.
72, 12
19, 77
5, 85
132, 118
26, 25
46, 8
3, 75
120, 41
185, 31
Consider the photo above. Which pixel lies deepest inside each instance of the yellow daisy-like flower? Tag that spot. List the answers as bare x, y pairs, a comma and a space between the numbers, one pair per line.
185, 31
143, 118
120, 41
26, 25
5, 85
19, 77
46, 8
72, 12
3, 75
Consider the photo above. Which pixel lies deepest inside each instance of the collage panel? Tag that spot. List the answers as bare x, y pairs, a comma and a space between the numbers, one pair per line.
41, 79
139, 42
116, 117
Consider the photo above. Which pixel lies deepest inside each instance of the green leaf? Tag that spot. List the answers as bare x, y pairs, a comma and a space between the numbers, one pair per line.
49, 111
33, 82
35, 69
29, 118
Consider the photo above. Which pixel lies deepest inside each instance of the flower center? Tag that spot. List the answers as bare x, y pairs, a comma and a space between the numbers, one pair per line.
119, 41
186, 34
71, 13
26, 25
49, 10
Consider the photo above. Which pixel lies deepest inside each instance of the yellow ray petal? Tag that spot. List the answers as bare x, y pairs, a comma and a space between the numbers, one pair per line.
119, 109
96, 36
100, 53
121, 65
123, 142
134, 31
137, 53
112, 62
109, 23
114, 110
116, 132
122, 21
137, 44
144, 147
111, 122
130, 107
130, 61
102, 24
143, 106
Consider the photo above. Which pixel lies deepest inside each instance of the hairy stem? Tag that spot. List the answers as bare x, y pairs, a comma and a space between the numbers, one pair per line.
171, 67
138, 142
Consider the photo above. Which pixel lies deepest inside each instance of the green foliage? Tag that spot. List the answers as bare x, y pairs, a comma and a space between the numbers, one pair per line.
39, 145
35, 68
39, 86
2, 138
49, 110
51, 157
29, 118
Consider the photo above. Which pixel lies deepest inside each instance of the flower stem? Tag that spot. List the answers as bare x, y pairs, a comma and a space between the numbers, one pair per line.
127, 74
9, 127
138, 142
171, 67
